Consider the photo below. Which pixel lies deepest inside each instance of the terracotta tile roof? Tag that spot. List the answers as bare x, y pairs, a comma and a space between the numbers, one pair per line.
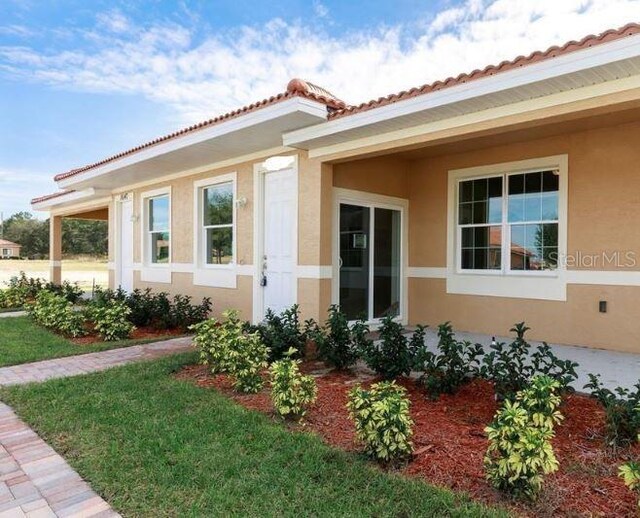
295, 88
4, 242
535, 57
50, 196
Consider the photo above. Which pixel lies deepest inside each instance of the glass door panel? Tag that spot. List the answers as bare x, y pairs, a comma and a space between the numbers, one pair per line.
386, 263
354, 260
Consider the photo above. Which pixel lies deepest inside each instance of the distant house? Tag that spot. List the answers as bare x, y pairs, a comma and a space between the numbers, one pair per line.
9, 249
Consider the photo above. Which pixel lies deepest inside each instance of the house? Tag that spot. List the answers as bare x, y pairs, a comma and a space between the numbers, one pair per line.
9, 250
506, 194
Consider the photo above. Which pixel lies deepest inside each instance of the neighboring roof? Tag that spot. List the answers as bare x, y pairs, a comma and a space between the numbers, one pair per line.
521, 61
46, 197
4, 242
295, 88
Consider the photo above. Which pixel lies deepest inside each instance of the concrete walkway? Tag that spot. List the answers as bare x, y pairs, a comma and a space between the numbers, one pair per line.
617, 369
9, 314
91, 362
36, 482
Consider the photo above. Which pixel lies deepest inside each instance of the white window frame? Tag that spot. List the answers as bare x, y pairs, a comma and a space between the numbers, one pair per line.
504, 282
150, 271
213, 275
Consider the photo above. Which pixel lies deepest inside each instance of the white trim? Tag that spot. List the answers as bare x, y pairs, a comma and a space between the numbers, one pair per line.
259, 172
372, 200
55, 264
162, 276
209, 168
624, 48
144, 240
426, 272
527, 285
604, 277
449, 127
111, 265
97, 204
260, 116
213, 275
68, 198
314, 272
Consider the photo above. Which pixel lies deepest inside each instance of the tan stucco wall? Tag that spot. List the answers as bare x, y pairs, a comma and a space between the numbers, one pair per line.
240, 298
603, 215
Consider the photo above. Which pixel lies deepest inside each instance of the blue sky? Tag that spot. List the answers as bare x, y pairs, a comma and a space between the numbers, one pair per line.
82, 80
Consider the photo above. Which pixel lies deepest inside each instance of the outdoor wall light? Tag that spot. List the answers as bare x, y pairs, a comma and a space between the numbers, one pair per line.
241, 202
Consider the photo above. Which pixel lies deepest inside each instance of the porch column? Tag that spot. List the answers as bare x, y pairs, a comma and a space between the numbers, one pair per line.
55, 249
315, 190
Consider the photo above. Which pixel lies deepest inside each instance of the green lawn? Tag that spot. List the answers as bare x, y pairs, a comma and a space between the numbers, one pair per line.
22, 341
152, 445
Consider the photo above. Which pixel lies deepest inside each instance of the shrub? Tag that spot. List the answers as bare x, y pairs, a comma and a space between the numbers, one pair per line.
630, 473
55, 312
455, 363
291, 392
226, 347
339, 344
281, 333
520, 451
246, 360
382, 420
21, 290
111, 321
183, 314
511, 367
70, 291
214, 340
141, 304
621, 411
394, 355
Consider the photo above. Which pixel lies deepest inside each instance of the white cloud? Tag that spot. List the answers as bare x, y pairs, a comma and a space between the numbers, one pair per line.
320, 10
201, 77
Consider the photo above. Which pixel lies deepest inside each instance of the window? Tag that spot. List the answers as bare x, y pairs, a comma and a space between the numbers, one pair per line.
217, 223
159, 233
509, 222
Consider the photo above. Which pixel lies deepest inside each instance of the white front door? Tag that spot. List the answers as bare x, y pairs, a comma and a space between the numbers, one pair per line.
280, 227
125, 245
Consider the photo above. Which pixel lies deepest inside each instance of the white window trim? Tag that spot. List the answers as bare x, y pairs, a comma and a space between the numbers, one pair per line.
154, 272
546, 285
372, 200
213, 275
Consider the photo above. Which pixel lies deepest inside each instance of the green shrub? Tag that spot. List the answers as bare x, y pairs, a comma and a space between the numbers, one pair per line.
214, 340
455, 363
630, 473
520, 453
111, 321
382, 421
21, 290
183, 314
156, 309
511, 367
291, 391
621, 411
339, 344
226, 347
246, 361
281, 333
55, 312
394, 354
70, 291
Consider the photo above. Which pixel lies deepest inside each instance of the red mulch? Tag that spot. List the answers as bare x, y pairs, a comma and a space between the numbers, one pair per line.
139, 333
450, 443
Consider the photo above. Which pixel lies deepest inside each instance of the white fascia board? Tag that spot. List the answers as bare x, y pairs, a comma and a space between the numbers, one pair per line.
70, 197
584, 59
258, 116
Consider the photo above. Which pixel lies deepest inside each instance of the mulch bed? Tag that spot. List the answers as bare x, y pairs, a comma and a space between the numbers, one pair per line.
139, 333
450, 443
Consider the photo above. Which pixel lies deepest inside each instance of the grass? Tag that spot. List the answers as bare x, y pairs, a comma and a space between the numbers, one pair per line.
153, 445
22, 341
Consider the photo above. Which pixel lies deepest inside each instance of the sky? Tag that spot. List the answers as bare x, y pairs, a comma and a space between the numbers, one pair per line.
81, 80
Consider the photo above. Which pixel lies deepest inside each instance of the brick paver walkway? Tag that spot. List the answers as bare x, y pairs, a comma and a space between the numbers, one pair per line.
91, 362
37, 482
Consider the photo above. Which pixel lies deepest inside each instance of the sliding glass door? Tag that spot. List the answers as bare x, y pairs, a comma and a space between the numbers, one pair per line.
370, 261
